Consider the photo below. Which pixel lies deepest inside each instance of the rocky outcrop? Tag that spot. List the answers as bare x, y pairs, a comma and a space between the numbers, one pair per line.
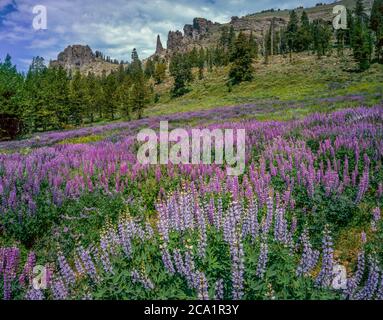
192, 35
159, 47
82, 58
204, 33
175, 41
75, 56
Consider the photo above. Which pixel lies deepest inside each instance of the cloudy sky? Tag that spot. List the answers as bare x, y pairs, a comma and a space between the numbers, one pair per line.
114, 27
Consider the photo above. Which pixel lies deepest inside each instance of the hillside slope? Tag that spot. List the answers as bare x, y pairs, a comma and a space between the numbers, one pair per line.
305, 79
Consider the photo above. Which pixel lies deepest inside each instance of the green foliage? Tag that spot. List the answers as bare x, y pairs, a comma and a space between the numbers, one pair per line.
322, 34
10, 88
242, 57
180, 69
292, 31
160, 72
51, 98
361, 37
377, 26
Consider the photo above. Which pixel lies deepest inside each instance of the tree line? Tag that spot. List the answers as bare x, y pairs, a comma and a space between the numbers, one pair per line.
51, 98
364, 36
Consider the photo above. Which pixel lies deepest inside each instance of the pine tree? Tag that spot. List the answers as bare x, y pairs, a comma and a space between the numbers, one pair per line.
224, 38
160, 72
292, 32
377, 26
180, 69
135, 67
134, 55
361, 37
149, 68
109, 88
10, 88
253, 45
321, 33
92, 91
304, 38
360, 11
77, 96
139, 96
122, 99
231, 40
242, 68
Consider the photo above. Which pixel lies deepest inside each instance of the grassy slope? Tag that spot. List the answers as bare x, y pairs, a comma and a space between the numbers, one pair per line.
303, 81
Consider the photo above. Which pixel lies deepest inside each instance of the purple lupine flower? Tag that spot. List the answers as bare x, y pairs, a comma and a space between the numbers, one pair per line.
346, 176
219, 294
263, 258
149, 231
363, 185
280, 227
163, 224
326, 274
372, 283
10, 263
142, 279
309, 257
354, 282
203, 288
87, 262
238, 268
33, 294
124, 238
65, 270
105, 260
253, 220
245, 225
178, 261
135, 276
189, 268
269, 216
376, 216
166, 259
59, 289
28, 269
219, 214
202, 244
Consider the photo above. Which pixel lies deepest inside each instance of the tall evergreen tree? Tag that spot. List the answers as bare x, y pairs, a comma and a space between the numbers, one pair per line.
361, 37
242, 57
10, 88
122, 99
292, 31
377, 27
77, 96
160, 72
304, 37
149, 68
253, 45
321, 33
180, 69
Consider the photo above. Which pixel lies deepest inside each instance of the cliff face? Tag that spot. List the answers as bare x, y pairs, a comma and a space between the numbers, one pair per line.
75, 56
193, 35
205, 33
82, 58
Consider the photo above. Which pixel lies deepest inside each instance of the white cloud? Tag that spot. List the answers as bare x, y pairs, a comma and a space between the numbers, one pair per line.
117, 26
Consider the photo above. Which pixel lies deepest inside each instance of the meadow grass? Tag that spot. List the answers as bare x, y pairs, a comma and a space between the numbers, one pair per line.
303, 80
